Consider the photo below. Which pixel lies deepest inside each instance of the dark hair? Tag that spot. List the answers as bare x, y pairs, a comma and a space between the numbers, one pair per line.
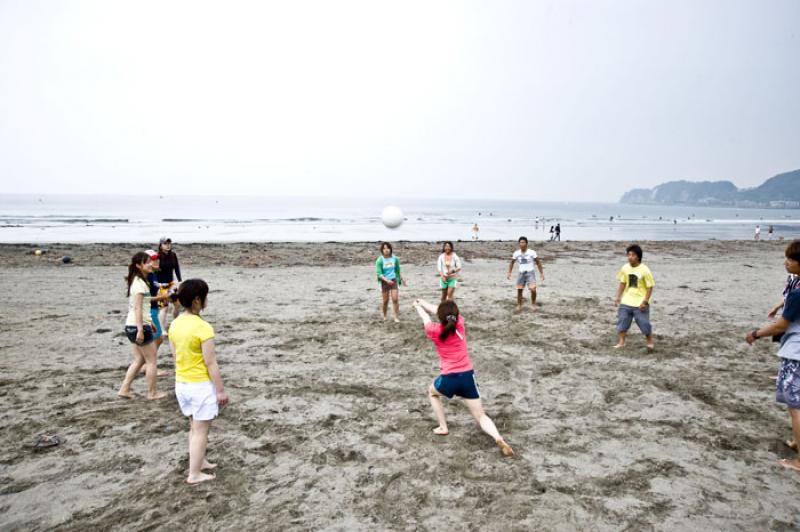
445, 245
448, 317
133, 270
190, 290
636, 249
793, 250
386, 244
161, 251
520, 239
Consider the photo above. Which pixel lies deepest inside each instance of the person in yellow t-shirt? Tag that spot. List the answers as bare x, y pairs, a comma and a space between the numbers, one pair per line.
633, 297
198, 382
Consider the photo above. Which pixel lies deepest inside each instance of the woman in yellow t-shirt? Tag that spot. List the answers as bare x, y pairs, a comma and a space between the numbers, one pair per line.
198, 382
139, 327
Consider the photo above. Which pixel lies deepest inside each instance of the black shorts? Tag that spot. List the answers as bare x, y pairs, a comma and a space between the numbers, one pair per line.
460, 384
130, 332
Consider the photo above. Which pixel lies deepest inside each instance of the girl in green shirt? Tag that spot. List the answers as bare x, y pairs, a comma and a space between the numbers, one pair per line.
387, 268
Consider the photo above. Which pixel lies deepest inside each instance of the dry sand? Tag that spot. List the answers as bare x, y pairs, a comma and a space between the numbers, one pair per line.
329, 426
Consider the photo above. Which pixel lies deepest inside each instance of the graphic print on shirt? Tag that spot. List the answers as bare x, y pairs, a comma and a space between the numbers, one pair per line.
633, 280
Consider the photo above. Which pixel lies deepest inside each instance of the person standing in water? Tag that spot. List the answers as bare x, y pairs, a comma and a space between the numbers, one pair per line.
457, 375
787, 329
633, 297
558, 232
139, 328
387, 268
475, 230
448, 265
526, 258
168, 271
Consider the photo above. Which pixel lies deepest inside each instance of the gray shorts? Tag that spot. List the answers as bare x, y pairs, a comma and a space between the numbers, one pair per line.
626, 314
525, 278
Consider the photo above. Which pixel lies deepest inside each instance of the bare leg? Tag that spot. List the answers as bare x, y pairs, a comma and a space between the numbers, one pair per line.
487, 425
794, 463
533, 295
176, 309
162, 317
438, 410
385, 307
519, 298
451, 293
395, 305
198, 441
133, 370
151, 372
620, 341
444, 294
650, 345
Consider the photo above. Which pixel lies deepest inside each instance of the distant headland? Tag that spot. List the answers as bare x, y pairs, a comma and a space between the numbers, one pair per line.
779, 192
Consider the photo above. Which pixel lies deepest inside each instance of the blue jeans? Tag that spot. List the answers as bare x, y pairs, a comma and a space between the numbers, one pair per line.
627, 314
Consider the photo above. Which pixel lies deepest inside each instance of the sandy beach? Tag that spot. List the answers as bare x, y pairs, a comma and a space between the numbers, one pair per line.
329, 426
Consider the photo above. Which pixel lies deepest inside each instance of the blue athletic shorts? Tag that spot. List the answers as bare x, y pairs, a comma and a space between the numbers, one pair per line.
787, 387
156, 322
460, 384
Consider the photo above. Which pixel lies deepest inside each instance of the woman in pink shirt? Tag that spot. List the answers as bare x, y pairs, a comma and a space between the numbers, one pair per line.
457, 376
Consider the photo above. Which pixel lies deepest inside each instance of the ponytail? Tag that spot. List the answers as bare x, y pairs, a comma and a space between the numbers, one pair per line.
134, 270
448, 317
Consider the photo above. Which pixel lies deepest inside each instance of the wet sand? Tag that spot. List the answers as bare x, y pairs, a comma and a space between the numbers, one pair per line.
329, 426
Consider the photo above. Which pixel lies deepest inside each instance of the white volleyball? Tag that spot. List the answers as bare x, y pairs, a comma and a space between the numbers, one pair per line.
392, 217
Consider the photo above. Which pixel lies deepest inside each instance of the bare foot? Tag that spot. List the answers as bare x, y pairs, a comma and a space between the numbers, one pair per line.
124, 395
651, 348
202, 477
156, 396
384, 318
396, 320
790, 464
505, 448
619, 346
441, 431
791, 444
207, 465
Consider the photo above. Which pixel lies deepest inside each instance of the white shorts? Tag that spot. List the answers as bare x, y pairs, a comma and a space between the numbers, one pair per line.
197, 400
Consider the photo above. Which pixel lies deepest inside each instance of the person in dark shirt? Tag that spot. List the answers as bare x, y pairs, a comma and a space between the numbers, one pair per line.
168, 271
787, 327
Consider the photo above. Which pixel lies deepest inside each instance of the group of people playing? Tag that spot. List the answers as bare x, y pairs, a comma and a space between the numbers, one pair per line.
198, 382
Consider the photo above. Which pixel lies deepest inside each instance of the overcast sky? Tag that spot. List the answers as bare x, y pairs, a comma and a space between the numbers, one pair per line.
539, 100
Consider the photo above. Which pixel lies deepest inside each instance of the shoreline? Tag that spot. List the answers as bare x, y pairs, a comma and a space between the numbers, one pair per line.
272, 254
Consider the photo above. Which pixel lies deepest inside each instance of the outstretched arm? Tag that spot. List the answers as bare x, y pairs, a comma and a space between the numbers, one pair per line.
510, 268
426, 319
771, 329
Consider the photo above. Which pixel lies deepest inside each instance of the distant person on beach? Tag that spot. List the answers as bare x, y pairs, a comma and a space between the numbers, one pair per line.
770, 231
526, 258
387, 268
633, 297
558, 232
448, 265
155, 299
786, 329
198, 381
139, 327
475, 230
168, 271
457, 375
757, 235
552, 233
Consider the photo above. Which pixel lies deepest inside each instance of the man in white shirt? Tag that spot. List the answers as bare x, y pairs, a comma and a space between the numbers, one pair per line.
526, 258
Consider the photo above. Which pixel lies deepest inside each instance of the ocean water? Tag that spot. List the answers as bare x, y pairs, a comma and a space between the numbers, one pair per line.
97, 218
